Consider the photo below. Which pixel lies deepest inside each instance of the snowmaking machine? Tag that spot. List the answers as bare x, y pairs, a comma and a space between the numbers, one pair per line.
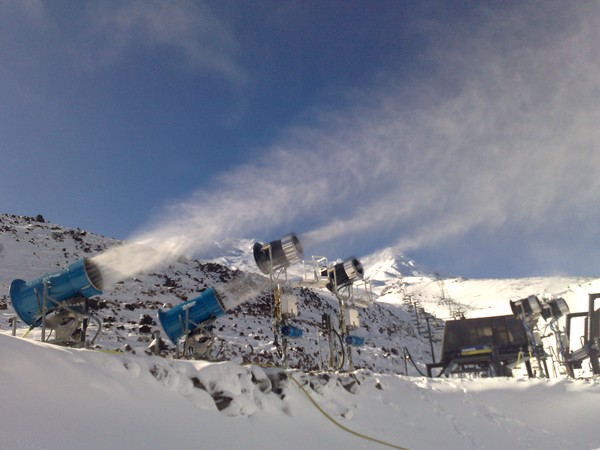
59, 302
273, 259
193, 320
339, 279
494, 346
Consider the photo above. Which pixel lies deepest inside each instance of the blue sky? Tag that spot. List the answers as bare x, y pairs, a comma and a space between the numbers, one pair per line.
463, 134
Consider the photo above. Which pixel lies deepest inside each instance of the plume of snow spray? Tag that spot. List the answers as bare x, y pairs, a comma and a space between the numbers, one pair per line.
420, 162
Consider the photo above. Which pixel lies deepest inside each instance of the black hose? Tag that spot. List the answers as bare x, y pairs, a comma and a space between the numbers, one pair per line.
343, 358
406, 355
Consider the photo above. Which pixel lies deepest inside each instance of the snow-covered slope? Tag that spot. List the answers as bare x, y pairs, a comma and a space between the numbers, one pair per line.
56, 397
128, 310
406, 295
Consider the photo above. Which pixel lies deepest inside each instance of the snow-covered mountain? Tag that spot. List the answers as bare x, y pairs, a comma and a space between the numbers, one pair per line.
128, 310
405, 294
389, 265
118, 396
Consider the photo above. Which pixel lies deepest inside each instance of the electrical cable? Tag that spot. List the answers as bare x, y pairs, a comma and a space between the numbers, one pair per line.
28, 331
408, 356
343, 358
315, 404
335, 422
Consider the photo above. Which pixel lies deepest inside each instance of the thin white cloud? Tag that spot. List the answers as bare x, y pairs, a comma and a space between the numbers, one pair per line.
189, 28
502, 133
96, 35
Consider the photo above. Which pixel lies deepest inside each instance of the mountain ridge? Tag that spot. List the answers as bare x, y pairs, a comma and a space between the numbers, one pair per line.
30, 248
128, 310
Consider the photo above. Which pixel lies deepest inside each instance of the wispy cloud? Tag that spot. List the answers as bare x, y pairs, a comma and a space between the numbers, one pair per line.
96, 35
186, 26
501, 132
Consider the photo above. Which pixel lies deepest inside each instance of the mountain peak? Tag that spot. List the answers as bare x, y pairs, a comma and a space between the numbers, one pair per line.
389, 263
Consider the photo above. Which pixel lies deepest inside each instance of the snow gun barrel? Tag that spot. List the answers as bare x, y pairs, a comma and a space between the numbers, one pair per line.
80, 278
530, 307
344, 273
186, 316
278, 254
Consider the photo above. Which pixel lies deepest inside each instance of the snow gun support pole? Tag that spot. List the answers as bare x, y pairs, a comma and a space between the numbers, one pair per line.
283, 307
70, 316
273, 259
593, 335
529, 310
341, 277
591, 339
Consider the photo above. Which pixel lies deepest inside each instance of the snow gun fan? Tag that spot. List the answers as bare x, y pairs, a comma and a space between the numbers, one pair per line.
59, 302
555, 309
186, 316
193, 320
527, 309
343, 274
278, 254
32, 299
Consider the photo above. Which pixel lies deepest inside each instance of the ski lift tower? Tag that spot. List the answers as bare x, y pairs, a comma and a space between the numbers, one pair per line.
273, 259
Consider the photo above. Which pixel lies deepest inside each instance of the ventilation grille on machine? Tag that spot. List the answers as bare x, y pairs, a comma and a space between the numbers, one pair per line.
93, 273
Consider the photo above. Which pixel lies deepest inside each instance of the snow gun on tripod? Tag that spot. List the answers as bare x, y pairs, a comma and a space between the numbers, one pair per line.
59, 301
193, 320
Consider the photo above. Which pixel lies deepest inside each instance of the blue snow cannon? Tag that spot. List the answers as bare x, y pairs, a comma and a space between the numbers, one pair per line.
82, 278
186, 316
